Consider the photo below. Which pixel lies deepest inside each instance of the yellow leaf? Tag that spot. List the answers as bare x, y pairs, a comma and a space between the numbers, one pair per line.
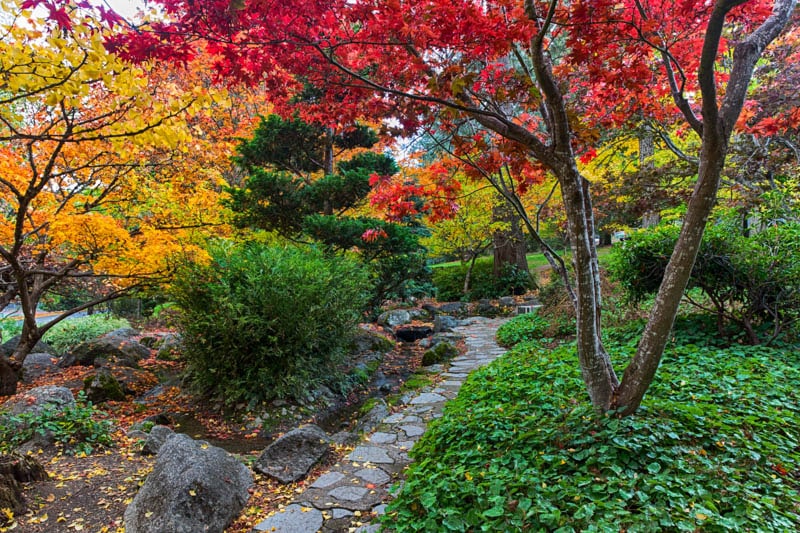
701, 516
192, 492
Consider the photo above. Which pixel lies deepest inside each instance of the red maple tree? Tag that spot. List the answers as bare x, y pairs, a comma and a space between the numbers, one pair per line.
548, 77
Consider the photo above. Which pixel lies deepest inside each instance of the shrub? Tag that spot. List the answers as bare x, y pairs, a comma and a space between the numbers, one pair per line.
750, 281
76, 428
713, 448
9, 327
71, 332
449, 281
261, 322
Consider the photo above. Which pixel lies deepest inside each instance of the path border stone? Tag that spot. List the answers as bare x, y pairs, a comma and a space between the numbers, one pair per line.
356, 489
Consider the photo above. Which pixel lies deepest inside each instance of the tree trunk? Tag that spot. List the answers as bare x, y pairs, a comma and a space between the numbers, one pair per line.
509, 243
642, 368
647, 150
596, 370
327, 169
8, 376
16, 469
715, 132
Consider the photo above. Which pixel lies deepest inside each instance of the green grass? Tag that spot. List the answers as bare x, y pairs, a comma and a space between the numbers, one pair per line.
715, 446
535, 260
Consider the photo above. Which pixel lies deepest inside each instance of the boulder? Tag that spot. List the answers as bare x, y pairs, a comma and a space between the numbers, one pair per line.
444, 323
155, 439
39, 398
441, 352
291, 457
169, 349
394, 318
37, 365
368, 341
117, 346
8, 347
507, 301
102, 386
193, 487
486, 308
412, 333
453, 308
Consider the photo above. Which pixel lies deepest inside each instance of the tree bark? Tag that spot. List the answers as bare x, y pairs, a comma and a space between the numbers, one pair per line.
509, 243
9, 375
16, 469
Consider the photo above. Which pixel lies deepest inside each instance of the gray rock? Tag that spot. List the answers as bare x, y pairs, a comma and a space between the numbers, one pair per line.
137, 434
368, 341
444, 323
382, 438
507, 301
427, 397
193, 487
155, 439
327, 479
39, 398
394, 318
373, 475
293, 519
370, 454
37, 365
344, 437
348, 494
373, 418
413, 431
169, 349
117, 346
291, 457
8, 347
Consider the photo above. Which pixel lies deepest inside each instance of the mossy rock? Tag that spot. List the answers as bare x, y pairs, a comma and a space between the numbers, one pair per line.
103, 386
369, 341
443, 351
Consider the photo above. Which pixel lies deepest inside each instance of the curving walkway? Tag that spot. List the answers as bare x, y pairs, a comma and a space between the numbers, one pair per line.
355, 490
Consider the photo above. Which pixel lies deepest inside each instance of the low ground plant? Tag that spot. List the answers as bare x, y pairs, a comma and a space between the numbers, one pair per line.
79, 429
714, 447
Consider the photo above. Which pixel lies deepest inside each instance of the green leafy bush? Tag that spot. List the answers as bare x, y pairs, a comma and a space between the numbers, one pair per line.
71, 332
449, 281
527, 327
751, 281
9, 327
261, 322
76, 428
713, 448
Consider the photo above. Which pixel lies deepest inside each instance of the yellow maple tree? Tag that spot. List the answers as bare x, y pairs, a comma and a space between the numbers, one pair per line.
108, 170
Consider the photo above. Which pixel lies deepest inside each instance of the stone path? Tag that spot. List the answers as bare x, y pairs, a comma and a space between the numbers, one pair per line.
355, 490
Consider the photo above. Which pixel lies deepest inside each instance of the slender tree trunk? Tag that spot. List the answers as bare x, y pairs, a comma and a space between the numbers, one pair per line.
647, 150
715, 131
642, 368
468, 276
327, 169
596, 369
